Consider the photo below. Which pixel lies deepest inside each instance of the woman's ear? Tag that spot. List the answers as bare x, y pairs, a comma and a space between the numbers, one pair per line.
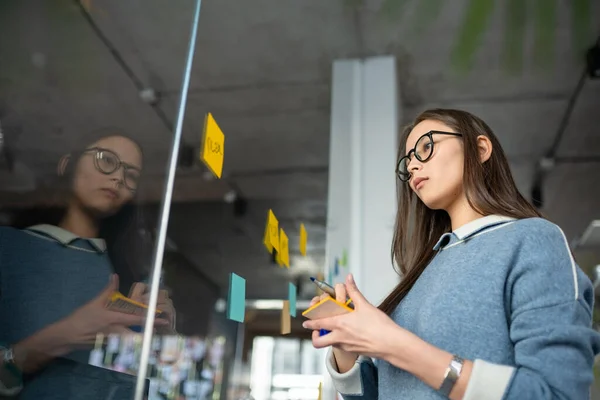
484, 147
62, 164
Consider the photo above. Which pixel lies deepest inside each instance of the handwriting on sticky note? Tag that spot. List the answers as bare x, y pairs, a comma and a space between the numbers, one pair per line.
213, 146
303, 239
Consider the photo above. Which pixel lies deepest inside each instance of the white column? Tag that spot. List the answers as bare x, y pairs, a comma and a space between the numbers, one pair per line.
362, 183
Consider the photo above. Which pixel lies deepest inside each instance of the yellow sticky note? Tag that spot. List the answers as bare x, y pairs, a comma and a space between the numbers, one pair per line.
286, 320
284, 252
303, 239
279, 253
271, 238
320, 391
213, 146
278, 259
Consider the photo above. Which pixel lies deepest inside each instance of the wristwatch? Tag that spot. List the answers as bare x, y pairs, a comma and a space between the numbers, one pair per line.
452, 374
8, 362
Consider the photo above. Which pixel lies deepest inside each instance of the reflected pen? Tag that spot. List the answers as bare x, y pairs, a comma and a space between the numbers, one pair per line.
330, 290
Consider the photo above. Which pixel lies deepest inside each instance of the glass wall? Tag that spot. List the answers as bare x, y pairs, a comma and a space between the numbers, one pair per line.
90, 96
89, 92
285, 369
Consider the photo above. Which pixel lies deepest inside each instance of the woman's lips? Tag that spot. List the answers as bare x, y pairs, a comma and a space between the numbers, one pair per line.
419, 182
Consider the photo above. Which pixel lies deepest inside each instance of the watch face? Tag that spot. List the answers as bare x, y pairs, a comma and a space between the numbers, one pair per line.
7, 356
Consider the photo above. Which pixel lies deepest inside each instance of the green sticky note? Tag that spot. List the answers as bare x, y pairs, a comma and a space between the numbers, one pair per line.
344, 258
236, 299
292, 299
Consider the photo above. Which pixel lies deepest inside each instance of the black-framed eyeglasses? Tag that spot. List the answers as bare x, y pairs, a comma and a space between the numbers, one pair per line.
423, 151
107, 162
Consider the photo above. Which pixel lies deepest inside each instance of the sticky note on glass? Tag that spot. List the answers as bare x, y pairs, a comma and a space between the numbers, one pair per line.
286, 321
278, 253
213, 146
271, 237
236, 299
278, 259
292, 298
344, 262
303, 239
284, 253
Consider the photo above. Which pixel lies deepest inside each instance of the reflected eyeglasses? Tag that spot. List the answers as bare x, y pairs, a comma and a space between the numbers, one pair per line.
423, 151
107, 162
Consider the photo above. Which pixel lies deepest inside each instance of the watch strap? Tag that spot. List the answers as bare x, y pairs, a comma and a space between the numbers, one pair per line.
8, 362
452, 374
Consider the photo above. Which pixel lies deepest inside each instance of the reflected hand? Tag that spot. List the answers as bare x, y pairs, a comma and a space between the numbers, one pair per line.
140, 292
367, 330
92, 318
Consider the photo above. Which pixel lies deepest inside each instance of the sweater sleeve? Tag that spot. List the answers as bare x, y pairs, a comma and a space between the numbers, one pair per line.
549, 307
359, 383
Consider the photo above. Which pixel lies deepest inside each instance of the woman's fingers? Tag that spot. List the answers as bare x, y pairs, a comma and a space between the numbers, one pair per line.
340, 292
315, 335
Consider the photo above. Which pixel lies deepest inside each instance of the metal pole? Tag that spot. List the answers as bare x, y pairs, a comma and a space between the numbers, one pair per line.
164, 213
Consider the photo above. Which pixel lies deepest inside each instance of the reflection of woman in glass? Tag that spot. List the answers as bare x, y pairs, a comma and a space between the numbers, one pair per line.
55, 280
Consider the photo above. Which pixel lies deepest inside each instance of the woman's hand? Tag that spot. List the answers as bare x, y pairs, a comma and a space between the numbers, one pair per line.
77, 330
139, 292
344, 359
366, 330
92, 318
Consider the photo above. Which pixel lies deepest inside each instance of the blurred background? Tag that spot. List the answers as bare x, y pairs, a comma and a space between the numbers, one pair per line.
265, 70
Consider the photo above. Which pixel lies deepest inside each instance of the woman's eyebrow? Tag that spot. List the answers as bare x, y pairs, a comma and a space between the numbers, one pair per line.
131, 166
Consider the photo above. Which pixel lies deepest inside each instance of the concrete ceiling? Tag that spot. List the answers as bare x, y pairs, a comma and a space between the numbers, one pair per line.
263, 69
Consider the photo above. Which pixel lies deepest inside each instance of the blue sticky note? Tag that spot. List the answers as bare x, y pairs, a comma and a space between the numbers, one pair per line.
236, 299
292, 299
337, 267
323, 332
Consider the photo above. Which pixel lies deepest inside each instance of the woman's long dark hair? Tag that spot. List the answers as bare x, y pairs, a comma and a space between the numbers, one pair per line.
489, 188
123, 232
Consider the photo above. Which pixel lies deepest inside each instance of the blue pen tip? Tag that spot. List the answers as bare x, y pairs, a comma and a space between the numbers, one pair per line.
312, 279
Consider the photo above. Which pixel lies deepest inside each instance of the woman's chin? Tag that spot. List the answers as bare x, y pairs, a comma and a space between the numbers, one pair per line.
432, 203
104, 209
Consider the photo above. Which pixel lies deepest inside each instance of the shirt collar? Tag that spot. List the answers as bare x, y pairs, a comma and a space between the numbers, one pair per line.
65, 237
479, 224
469, 229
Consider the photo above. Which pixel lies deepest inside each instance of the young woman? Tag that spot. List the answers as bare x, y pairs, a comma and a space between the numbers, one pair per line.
491, 304
55, 280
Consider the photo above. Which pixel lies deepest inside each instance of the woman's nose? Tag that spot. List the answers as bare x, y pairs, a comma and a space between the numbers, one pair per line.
414, 165
118, 181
